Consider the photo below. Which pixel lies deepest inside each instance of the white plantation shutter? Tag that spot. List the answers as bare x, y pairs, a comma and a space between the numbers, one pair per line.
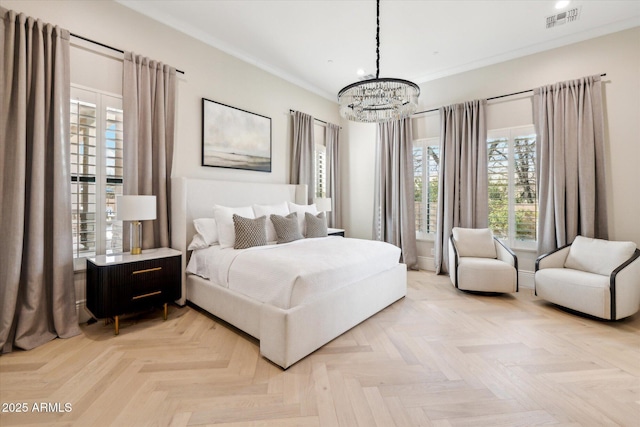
320, 170
426, 159
513, 203
83, 178
96, 172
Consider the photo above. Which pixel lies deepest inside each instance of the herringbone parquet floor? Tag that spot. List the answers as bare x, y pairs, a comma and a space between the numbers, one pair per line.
436, 358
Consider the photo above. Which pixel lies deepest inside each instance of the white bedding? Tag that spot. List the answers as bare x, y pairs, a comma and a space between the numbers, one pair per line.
290, 274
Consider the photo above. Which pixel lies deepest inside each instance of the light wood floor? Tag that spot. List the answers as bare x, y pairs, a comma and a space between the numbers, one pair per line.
438, 357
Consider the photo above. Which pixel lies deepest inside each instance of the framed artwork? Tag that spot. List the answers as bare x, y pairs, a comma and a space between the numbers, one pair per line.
234, 138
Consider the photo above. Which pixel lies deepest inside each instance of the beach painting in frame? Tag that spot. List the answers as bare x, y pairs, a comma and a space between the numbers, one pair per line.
234, 138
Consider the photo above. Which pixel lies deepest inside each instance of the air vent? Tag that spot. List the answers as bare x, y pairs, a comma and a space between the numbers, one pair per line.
367, 77
562, 18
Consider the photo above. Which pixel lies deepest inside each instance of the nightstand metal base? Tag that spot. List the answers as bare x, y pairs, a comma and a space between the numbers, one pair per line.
116, 319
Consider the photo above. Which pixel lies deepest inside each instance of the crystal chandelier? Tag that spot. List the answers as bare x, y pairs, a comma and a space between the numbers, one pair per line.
380, 99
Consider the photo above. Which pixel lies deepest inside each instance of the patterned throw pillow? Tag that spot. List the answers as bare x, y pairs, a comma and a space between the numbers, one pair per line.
301, 210
316, 225
249, 232
287, 228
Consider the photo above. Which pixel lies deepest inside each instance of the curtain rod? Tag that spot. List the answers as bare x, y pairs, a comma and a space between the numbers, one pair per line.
489, 99
107, 46
317, 120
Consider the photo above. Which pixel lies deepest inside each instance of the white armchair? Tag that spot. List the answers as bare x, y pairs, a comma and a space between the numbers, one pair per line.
593, 276
480, 262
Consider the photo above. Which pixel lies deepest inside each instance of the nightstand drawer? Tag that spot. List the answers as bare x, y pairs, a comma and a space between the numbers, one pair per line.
146, 277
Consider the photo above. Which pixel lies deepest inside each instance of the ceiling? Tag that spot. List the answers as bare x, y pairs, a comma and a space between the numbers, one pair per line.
320, 45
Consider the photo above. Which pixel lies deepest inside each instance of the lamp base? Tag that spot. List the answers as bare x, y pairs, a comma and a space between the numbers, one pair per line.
135, 237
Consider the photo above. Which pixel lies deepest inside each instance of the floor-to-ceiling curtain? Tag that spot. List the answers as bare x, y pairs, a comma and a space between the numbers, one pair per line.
37, 294
394, 212
149, 100
463, 181
302, 153
568, 117
333, 174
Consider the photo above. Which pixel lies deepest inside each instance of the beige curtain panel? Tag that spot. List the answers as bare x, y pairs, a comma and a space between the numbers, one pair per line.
394, 218
569, 122
149, 100
333, 175
463, 199
302, 153
37, 295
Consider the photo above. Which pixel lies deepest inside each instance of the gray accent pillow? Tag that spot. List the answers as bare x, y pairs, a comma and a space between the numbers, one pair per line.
287, 228
316, 225
249, 232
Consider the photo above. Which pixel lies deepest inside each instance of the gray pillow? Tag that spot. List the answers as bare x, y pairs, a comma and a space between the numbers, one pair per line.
287, 228
249, 232
316, 225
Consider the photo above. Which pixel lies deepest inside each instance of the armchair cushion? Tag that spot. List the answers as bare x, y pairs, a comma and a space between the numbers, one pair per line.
486, 275
598, 256
474, 242
581, 291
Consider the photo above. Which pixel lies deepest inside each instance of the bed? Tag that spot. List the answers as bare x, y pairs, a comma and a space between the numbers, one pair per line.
287, 332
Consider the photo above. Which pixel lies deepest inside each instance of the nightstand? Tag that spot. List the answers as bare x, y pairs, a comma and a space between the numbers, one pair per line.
125, 283
335, 232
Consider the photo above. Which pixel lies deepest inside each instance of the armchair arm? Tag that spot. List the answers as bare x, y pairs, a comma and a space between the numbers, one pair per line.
625, 287
553, 259
453, 261
507, 255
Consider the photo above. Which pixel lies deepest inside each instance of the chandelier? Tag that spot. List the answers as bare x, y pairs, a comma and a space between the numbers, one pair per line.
380, 99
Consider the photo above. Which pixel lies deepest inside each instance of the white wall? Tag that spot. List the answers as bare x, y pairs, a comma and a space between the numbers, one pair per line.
209, 73
617, 54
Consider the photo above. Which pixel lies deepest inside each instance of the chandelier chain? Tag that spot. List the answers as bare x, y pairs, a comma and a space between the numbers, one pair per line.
378, 39
378, 100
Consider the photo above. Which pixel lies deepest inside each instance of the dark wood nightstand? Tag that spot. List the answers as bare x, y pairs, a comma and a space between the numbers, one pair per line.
125, 283
335, 232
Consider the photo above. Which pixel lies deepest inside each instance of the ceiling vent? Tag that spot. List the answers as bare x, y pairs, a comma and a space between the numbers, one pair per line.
562, 18
367, 77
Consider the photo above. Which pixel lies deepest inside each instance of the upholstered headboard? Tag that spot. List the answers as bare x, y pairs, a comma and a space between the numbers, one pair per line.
194, 198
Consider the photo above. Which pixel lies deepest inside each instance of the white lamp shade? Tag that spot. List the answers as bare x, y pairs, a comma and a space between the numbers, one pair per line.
135, 208
323, 204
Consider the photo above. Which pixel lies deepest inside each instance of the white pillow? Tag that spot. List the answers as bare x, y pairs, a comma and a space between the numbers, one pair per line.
208, 229
301, 210
474, 242
281, 209
224, 217
598, 256
197, 242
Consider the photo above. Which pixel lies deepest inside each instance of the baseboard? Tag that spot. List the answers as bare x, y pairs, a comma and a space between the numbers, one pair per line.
82, 312
426, 263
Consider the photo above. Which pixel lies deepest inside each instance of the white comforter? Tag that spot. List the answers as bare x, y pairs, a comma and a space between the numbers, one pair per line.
289, 274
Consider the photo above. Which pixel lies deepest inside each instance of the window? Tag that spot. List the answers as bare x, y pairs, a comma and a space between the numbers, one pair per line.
513, 202
321, 170
320, 161
96, 173
426, 165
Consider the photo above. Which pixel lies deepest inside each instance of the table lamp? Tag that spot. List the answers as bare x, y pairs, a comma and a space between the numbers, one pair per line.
135, 209
323, 204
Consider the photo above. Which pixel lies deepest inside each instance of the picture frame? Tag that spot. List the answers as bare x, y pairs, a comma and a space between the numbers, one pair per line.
234, 138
